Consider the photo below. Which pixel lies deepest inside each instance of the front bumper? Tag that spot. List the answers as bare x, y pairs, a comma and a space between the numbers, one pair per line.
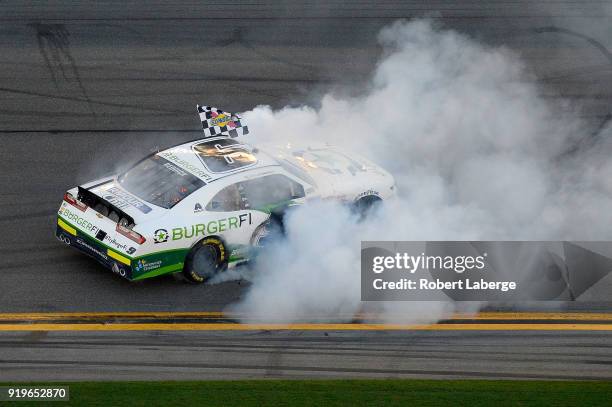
112, 260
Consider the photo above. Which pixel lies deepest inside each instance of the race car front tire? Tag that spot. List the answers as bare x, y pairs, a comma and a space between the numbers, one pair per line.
205, 260
269, 231
365, 206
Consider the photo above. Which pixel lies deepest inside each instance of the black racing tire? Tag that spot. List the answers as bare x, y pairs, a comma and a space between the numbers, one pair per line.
365, 206
205, 260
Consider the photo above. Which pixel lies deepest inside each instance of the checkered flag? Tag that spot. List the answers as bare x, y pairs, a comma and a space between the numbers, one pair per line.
216, 122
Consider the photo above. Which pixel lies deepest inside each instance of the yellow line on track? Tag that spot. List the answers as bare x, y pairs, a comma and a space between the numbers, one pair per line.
303, 327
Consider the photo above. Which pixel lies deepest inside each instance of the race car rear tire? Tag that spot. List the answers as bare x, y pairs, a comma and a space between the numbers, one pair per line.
205, 260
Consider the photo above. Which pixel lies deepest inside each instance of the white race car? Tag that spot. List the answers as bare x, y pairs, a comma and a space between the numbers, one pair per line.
202, 206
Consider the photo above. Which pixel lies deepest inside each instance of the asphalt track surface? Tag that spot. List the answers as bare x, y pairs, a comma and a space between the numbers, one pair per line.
86, 89
188, 355
132, 346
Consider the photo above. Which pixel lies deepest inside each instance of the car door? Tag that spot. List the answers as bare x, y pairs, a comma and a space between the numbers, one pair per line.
243, 207
271, 193
229, 216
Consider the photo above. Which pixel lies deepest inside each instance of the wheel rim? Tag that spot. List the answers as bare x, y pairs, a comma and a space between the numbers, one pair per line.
205, 261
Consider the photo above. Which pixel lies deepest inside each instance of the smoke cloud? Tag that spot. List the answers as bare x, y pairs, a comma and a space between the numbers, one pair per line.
477, 154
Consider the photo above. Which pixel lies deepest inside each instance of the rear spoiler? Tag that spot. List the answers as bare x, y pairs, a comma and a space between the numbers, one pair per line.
92, 200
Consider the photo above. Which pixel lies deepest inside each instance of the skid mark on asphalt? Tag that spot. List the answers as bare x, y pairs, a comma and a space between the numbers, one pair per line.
67, 364
606, 53
54, 46
93, 102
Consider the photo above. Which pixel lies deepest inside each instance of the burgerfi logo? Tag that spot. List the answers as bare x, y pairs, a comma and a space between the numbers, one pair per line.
212, 227
77, 220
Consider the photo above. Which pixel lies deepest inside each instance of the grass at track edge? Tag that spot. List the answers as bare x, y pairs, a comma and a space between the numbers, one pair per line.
384, 392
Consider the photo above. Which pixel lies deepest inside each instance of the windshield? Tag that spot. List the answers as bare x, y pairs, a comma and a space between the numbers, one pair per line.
158, 181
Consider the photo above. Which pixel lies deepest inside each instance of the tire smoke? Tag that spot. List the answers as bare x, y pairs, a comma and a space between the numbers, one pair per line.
477, 154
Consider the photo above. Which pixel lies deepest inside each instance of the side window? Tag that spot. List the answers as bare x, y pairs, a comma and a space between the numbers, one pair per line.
296, 171
226, 200
271, 189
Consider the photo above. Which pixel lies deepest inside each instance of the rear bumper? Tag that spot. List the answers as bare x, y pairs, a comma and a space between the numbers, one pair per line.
116, 262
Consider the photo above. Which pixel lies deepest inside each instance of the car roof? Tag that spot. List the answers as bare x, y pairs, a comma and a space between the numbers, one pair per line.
216, 157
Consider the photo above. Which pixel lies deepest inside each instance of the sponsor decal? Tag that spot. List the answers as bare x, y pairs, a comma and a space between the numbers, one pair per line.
124, 198
77, 220
212, 227
116, 201
94, 230
175, 169
92, 249
184, 164
369, 192
111, 241
197, 208
142, 265
221, 120
160, 236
